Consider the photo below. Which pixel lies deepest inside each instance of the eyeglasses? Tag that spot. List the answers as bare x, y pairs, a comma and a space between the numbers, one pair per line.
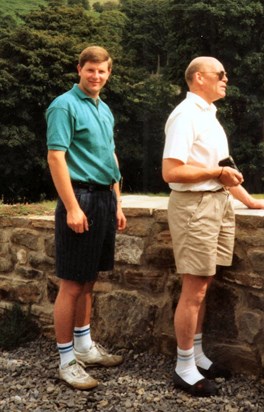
220, 74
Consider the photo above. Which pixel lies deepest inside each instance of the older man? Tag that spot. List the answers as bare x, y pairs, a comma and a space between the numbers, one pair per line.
200, 214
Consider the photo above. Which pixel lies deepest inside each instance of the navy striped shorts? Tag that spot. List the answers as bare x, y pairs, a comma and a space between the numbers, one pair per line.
80, 256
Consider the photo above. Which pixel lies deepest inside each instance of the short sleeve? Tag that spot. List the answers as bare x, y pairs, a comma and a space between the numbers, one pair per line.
60, 126
179, 137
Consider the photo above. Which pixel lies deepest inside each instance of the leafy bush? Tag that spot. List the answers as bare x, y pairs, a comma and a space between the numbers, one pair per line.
17, 328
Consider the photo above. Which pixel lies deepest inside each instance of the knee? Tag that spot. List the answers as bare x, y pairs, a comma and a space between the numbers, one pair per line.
70, 289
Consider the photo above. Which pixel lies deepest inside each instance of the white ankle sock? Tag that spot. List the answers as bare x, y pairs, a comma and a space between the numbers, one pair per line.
66, 353
186, 367
200, 358
82, 338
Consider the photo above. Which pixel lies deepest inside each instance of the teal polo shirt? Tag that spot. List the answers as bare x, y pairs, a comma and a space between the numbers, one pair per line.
85, 131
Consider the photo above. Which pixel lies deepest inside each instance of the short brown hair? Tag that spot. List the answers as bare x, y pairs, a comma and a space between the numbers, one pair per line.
95, 54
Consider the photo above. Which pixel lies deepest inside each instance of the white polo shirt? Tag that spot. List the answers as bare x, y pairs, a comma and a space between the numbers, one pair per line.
195, 136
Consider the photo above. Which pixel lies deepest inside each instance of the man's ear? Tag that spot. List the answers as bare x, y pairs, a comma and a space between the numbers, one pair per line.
198, 77
78, 68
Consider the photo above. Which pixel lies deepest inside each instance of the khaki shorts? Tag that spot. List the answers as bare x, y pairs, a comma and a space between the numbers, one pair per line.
202, 226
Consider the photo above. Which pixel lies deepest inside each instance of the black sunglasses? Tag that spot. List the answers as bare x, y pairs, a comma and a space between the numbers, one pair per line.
220, 74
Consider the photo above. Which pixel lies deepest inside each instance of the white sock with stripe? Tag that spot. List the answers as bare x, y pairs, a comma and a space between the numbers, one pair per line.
186, 367
66, 353
200, 359
82, 338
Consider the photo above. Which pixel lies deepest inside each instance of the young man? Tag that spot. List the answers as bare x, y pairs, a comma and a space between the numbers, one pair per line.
200, 214
85, 172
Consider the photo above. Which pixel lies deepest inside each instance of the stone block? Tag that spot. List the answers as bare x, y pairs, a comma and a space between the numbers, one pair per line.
255, 301
6, 265
49, 243
126, 319
21, 256
43, 223
249, 221
249, 325
40, 260
251, 237
240, 261
103, 287
29, 273
167, 345
113, 276
4, 236
247, 279
138, 226
23, 291
44, 313
159, 250
52, 288
149, 280
161, 216
220, 319
26, 237
4, 249
129, 249
239, 358
256, 257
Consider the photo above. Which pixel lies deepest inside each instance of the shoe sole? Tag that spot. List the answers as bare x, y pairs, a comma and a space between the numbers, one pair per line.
202, 388
213, 373
83, 387
96, 364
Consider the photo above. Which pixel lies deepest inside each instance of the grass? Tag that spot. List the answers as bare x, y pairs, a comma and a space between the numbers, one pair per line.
259, 196
45, 208
12, 7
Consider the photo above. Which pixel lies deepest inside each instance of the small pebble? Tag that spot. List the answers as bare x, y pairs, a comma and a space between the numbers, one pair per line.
143, 383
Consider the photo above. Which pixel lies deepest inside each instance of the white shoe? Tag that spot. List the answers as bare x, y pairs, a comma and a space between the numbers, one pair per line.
75, 376
97, 355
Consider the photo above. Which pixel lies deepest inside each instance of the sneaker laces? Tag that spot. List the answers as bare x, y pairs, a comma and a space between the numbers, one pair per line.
77, 370
100, 349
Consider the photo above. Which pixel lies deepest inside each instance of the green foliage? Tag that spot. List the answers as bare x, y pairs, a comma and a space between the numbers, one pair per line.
17, 328
151, 44
231, 31
83, 3
42, 62
15, 8
146, 32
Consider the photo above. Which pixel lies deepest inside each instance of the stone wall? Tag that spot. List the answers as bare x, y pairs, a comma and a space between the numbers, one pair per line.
134, 304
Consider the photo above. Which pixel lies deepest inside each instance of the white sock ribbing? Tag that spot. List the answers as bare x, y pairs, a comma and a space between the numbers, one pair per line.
200, 359
66, 353
186, 367
82, 338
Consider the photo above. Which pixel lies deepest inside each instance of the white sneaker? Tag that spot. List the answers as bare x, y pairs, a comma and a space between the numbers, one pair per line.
97, 355
75, 376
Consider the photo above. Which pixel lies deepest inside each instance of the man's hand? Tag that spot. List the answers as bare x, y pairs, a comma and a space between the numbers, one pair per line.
241, 194
120, 218
77, 220
230, 177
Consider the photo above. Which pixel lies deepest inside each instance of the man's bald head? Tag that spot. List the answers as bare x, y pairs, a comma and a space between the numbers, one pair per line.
199, 64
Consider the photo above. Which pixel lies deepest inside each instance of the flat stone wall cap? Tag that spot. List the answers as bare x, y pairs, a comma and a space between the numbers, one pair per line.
145, 202
161, 203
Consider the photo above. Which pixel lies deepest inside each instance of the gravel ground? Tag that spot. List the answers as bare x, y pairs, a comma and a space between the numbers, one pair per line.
143, 383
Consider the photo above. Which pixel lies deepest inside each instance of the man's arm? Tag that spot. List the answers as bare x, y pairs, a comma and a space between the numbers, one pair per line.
175, 171
243, 196
76, 219
121, 219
